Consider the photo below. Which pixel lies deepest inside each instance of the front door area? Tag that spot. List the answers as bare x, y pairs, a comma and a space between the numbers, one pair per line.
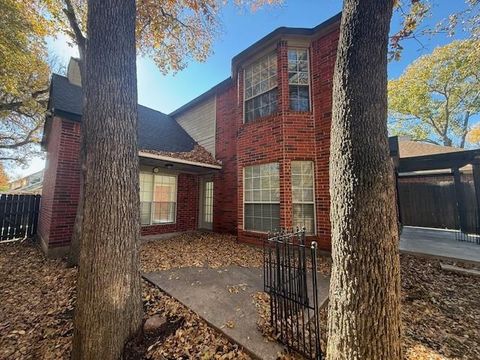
206, 204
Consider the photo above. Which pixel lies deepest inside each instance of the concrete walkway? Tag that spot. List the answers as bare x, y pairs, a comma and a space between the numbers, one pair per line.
223, 298
438, 243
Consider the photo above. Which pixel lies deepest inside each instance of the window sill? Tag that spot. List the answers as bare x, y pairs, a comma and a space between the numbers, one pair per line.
256, 232
155, 224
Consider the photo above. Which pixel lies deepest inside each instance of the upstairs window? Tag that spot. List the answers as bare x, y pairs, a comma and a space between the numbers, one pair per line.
298, 80
261, 88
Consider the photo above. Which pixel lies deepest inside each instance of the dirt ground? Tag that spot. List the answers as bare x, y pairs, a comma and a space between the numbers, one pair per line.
440, 310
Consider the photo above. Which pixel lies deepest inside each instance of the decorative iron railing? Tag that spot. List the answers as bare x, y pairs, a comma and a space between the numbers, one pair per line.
290, 278
469, 231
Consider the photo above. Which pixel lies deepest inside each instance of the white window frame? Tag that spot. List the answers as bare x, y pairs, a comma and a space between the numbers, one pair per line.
259, 201
153, 200
270, 88
309, 84
305, 202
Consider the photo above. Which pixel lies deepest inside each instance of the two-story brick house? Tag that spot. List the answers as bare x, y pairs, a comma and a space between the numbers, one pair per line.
248, 156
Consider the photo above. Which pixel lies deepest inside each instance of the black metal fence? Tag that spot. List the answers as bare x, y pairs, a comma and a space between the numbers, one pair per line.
18, 216
290, 278
469, 232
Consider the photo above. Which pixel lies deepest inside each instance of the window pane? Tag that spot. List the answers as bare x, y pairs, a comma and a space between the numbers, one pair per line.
302, 54
299, 98
303, 216
262, 208
292, 55
145, 212
298, 74
208, 202
260, 91
262, 71
303, 195
262, 105
164, 199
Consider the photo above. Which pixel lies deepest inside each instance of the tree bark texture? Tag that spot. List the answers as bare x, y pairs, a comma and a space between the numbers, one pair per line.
74, 253
109, 308
364, 314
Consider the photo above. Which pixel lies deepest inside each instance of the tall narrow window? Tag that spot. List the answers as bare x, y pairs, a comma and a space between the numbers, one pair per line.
158, 198
208, 202
298, 79
303, 195
261, 198
260, 84
146, 198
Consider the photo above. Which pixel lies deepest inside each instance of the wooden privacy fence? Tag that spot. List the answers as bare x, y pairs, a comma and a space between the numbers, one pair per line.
18, 216
433, 201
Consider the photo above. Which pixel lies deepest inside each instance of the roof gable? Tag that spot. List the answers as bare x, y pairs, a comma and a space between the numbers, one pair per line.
156, 131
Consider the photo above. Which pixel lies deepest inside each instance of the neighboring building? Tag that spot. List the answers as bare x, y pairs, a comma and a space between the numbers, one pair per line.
410, 148
31, 184
438, 186
248, 156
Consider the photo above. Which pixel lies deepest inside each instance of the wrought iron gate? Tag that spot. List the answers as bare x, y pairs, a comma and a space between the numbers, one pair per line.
290, 278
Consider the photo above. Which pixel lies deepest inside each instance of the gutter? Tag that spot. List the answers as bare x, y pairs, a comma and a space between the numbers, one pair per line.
177, 160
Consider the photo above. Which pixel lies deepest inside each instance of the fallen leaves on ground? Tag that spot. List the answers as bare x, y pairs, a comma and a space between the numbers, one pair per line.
193, 340
198, 154
37, 298
440, 310
36, 304
198, 250
206, 249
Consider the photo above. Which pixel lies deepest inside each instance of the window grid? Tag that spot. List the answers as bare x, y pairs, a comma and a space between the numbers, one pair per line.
260, 88
303, 195
158, 198
298, 79
208, 203
261, 197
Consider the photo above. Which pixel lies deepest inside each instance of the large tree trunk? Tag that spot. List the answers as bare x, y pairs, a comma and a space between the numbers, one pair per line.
109, 309
364, 316
74, 253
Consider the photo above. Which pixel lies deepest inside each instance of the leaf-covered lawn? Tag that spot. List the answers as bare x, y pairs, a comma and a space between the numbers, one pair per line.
441, 311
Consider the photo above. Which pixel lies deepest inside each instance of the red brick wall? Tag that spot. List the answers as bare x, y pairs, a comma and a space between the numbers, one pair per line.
187, 208
225, 181
283, 137
60, 184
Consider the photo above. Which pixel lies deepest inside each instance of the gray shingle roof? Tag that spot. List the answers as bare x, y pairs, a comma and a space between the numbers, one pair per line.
156, 131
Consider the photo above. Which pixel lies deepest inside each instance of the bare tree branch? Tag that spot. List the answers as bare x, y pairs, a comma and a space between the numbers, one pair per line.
75, 25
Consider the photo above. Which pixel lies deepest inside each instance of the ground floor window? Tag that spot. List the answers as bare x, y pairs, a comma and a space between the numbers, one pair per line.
158, 198
261, 197
303, 195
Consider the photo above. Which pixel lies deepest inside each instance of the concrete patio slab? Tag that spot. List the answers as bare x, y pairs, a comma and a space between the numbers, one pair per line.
223, 298
438, 243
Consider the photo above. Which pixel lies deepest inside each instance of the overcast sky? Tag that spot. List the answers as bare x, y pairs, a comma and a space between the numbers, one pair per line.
240, 29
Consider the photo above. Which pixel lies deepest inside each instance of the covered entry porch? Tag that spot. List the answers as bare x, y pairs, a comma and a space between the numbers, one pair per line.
176, 194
